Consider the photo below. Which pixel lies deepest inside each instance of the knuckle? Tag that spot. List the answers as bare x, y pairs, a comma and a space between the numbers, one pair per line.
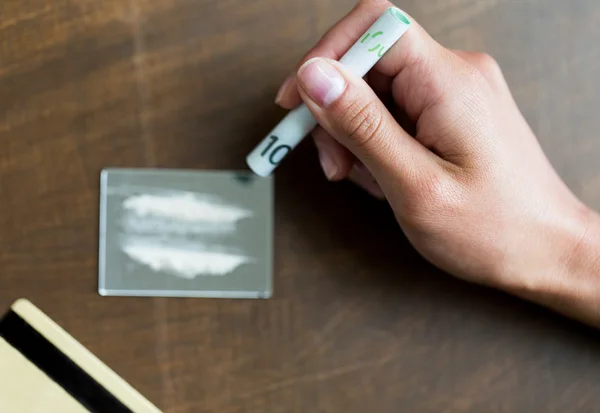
435, 195
485, 60
487, 65
422, 86
475, 80
364, 122
373, 3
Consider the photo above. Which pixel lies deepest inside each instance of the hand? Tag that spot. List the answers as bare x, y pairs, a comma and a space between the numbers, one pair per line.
470, 187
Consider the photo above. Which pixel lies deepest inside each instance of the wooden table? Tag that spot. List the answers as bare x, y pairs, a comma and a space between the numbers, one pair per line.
352, 327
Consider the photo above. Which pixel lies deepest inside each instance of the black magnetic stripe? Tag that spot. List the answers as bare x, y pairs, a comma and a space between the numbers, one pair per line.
56, 365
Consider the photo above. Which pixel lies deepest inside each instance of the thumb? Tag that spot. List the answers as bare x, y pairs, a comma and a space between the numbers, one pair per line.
352, 113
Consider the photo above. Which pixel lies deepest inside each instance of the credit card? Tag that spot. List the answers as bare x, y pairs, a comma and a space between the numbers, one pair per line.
44, 369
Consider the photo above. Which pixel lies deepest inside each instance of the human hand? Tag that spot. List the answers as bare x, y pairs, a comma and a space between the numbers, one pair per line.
470, 186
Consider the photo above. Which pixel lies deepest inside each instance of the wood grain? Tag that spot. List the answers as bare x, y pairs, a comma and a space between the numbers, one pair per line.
352, 327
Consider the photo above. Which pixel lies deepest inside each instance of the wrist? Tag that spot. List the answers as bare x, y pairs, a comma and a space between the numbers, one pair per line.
569, 280
580, 277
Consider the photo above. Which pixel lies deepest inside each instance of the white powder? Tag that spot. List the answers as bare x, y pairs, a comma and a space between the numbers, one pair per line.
180, 233
182, 262
185, 206
136, 224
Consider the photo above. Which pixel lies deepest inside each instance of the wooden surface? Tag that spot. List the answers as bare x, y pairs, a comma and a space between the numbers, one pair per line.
358, 321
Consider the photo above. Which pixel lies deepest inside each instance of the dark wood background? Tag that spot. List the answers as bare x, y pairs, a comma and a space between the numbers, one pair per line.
358, 321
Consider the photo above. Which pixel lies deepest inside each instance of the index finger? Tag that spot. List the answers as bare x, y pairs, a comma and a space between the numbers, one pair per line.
334, 44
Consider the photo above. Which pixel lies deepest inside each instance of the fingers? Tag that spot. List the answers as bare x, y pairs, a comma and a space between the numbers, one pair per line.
440, 92
351, 112
345, 164
336, 160
424, 71
380, 83
362, 177
334, 44
487, 66
437, 89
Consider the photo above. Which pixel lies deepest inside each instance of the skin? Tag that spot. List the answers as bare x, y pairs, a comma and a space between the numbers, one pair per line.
459, 165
